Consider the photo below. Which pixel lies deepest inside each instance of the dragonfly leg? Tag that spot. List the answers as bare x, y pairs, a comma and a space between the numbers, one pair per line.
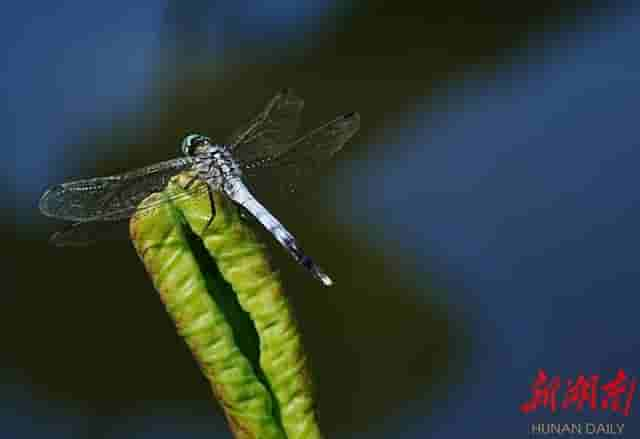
213, 206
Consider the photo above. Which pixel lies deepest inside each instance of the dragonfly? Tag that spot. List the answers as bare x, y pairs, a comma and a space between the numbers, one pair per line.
265, 147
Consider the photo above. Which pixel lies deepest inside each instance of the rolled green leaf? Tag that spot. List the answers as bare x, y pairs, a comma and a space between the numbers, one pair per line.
229, 305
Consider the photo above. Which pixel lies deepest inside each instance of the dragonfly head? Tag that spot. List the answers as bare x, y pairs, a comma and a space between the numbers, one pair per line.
194, 144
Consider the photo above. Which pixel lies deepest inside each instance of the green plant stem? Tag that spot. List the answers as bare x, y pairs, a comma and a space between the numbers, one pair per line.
229, 305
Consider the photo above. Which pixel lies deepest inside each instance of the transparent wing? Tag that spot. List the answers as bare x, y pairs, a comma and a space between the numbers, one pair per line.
112, 198
305, 155
85, 233
271, 131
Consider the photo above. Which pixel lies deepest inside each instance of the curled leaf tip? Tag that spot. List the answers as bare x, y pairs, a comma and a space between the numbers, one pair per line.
227, 302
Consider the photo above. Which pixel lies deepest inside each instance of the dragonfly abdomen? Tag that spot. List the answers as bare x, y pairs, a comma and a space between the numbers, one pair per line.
239, 193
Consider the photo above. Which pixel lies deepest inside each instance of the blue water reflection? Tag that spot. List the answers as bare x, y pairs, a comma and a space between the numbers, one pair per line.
525, 186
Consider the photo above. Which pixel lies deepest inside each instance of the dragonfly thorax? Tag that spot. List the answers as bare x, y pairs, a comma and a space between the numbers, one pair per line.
212, 162
215, 165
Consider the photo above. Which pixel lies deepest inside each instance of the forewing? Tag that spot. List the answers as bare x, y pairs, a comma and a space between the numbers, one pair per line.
109, 198
271, 131
305, 155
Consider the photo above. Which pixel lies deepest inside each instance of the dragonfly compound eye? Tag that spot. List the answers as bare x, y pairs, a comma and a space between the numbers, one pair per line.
192, 142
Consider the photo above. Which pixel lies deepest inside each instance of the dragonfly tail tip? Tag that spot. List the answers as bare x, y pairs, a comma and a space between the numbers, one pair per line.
326, 280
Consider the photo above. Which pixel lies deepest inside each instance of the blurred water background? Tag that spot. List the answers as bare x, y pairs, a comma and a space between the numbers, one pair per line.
483, 224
